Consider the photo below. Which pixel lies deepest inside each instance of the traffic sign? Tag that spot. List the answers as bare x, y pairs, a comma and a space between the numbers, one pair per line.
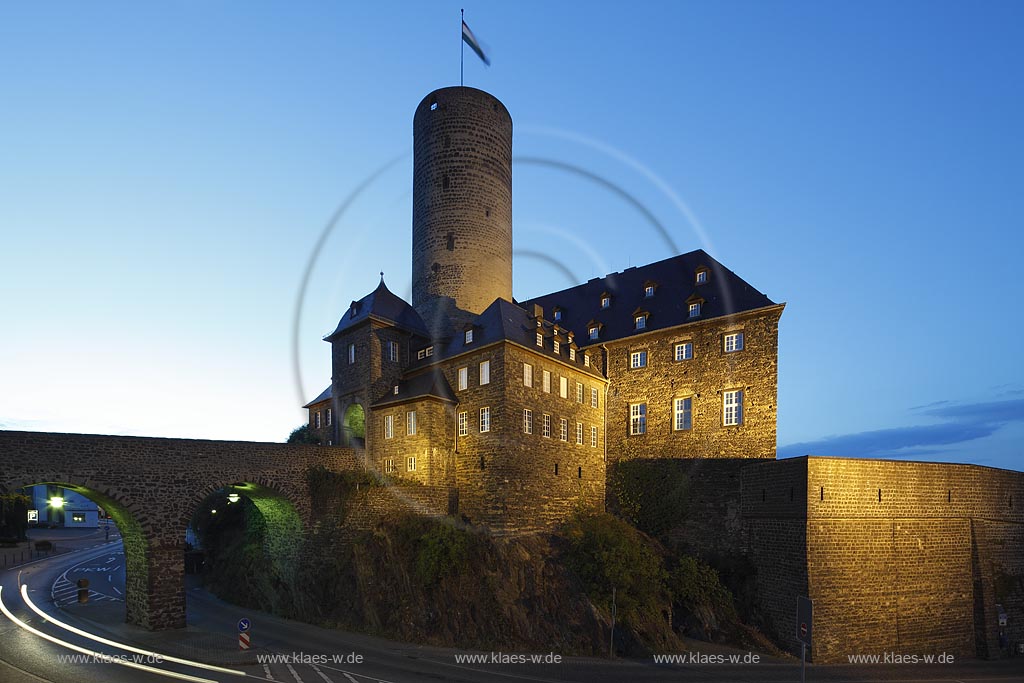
804, 619
244, 625
243, 641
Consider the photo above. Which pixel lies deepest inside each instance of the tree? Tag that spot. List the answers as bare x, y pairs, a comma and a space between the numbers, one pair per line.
303, 435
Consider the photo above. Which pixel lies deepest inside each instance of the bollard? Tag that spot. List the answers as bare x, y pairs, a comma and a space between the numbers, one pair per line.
83, 591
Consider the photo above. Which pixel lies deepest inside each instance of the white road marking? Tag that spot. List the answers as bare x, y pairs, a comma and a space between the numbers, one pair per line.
349, 677
321, 673
266, 670
294, 673
118, 592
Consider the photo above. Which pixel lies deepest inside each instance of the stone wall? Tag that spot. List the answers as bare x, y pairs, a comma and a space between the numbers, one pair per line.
703, 378
903, 557
432, 446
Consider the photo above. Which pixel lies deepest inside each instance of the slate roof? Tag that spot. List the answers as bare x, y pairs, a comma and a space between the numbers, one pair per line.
430, 384
325, 395
381, 305
504, 320
675, 283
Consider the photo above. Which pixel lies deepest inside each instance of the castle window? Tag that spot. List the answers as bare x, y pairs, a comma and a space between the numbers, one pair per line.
485, 372
410, 463
389, 426
546, 381
556, 347
563, 387
433, 105
579, 433
394, 390
563, 429
593, 437
328, 417
593, 397
527, 375
444, 183
469, 336
579, 472
351, 354
410, 423
429, 351
592, 332
393, 351
389, 466
586, 360
572, 353
638, 359
450, 242
546, 427
606, 302
694, 309
637, 418
732, 407
640, 322
318, 419
684, 351
558, 315
556, 469
733, 342
485, 420
683, 408
649, 291
702, 276
540, 339
527, 421
463, 423
580, 391
463, 379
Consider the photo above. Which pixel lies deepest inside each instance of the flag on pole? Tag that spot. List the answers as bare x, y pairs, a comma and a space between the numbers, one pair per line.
471, 40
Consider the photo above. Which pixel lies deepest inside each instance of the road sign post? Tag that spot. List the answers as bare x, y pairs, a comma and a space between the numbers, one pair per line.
244, 641
804, 631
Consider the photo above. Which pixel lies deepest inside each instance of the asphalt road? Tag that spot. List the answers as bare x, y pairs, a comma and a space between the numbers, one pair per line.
294, 652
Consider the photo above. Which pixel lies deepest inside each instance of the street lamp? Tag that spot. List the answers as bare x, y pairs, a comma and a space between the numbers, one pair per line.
56, 501
233, 497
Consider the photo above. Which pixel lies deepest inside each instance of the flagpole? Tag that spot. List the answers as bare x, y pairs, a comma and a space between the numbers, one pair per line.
462, 53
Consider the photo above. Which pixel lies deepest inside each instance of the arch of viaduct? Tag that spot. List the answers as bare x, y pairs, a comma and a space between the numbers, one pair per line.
152, 486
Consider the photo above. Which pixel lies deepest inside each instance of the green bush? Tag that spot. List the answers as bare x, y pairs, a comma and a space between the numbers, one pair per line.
441, 551
651, 495
303, 435
605, 553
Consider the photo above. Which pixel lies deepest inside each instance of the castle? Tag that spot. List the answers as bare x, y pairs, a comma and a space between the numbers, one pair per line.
519, 406
519, 410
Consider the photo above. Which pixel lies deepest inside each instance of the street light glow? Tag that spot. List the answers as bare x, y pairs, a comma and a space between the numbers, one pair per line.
233, 497
57, 502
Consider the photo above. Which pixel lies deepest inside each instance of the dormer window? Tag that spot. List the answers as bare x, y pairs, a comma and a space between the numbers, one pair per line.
592, 332
395, 390
558, 315
695, 309
425, 353
649, 291
469, 336
540, 339
640, 321
702, 276
430, 351
572, 353
586, 360
606, 301
557, 347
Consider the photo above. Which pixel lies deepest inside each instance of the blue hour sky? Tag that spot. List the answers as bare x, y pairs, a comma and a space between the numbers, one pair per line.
166, 170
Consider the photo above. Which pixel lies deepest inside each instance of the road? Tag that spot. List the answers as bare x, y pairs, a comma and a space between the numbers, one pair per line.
300, 653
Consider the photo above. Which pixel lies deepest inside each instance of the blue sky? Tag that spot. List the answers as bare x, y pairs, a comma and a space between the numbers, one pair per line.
166, 171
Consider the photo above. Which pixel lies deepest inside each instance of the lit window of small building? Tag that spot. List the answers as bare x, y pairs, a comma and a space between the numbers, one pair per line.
733, 342
485, 419
485, 372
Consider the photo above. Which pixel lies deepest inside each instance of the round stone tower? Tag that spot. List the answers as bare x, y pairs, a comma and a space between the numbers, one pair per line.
461, 202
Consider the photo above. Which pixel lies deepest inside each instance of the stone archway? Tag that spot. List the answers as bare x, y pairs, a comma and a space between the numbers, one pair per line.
353, 426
